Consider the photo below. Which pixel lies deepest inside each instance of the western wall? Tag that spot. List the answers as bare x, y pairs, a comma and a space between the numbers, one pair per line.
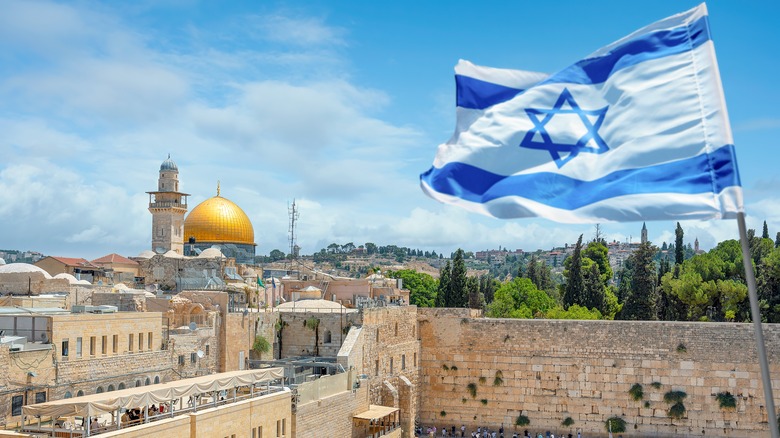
485, 372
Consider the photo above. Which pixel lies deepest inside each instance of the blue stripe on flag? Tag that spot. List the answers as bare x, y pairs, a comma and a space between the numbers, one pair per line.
703, 173
477, 94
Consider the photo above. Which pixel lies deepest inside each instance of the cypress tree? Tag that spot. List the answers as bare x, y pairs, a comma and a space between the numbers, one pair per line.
594, 289
679, 250
575, 283
642, 303
459, 295
765, 234
777, 241
444, 285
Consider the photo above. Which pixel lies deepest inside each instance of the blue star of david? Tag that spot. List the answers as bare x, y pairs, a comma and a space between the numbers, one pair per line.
571, 150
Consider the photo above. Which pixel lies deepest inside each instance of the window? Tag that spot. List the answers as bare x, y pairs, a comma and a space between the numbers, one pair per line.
80, 393
137, 383
403, 362
104, 344
376, 368
181, 359
40, 397
130, 342
415, 360
140, 341
64, 349
68, 394
91, 345
377, 334
121, 386
110, 388
156, 379
257, 432
115, 340
391, 365
278, 426
99, 390
193, 357
396, 329
149, 341
284, 426
16, 405
148, 382
207, 350
328, 337
78, 347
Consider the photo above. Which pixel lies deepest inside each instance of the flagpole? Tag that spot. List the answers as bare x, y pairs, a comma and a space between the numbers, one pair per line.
755, 312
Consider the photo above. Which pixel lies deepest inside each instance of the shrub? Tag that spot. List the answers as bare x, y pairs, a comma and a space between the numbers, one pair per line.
615, 424
681, 348
636, 392
482, 380
443, 413
499, 379
454, 368
445, 367
472, 389
483, 401
656, 385
261, 345
647, 404
568, 421
677, 411
726, 400
674, 397
522, 420
463, 400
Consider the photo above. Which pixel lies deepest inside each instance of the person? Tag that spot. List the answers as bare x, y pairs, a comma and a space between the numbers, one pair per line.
453, 430
463, 430
93, 425
501, 429
125, 418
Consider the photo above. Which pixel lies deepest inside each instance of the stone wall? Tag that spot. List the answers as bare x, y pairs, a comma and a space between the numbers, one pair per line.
550, 370
298, 340
390, 354
239, 335
184, 347
330, 416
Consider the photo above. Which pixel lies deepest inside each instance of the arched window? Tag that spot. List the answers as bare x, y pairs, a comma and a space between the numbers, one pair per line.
99, 390
121, 386
68, 394
111, 388
80, 393
156, 379
137, 383
327, 337
148, 382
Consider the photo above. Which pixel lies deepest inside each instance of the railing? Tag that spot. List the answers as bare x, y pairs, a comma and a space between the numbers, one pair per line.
167, 204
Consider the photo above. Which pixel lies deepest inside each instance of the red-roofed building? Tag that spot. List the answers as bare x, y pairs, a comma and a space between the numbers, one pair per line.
119, 269
80, 268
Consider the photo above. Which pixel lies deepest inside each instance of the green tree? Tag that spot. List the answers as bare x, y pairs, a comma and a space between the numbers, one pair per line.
276, 255
458, 292
679, 251
575, 280
768, 285
476, 300
573, 312
599, 253
371, 248
487, 287
444, 285
765, 233
593, 297
777, 240
642, 302
519, 298
422, 287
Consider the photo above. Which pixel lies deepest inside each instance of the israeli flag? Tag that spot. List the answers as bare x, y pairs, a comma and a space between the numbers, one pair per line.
636, 131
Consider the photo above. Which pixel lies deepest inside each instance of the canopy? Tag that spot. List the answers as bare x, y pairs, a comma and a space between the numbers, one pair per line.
106, 402
375, 412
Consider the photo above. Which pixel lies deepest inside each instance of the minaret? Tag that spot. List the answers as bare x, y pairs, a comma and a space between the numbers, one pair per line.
168, 206
696, 246
644, 233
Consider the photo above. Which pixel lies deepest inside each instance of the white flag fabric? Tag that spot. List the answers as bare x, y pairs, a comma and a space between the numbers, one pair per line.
636, 131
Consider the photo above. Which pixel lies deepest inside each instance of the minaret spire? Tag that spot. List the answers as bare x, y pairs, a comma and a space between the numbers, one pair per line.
217, 187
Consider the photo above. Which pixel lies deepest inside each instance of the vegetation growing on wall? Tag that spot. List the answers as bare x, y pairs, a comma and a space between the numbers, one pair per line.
615, 425
726, 400
636, 392
522, 420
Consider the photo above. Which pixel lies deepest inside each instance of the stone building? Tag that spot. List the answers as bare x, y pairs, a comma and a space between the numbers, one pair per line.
82, 269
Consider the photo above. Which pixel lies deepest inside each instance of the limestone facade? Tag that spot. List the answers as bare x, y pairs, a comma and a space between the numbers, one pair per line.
549, 370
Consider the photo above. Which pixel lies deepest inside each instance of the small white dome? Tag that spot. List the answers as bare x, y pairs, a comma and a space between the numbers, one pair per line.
173, 255
15, 268
146, 254
211, 253
2, 261
84, 282
71, 279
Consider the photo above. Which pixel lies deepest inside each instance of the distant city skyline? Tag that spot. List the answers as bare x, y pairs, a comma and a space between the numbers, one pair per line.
337, 106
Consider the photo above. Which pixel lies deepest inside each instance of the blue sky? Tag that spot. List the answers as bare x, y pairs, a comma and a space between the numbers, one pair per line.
339, 105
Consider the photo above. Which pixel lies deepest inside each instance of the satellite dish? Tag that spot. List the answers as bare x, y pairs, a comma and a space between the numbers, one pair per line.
193, 326
200, 354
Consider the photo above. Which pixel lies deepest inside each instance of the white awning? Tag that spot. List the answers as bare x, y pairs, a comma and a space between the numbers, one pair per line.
106, 402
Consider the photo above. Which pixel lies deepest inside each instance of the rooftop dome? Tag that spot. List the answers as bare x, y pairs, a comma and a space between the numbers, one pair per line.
168, 164
71, 279
2, 261
219, 220
13, 268
211, 253
146, 254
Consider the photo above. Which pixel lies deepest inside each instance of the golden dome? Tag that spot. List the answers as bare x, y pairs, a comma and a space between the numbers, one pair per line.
219, 220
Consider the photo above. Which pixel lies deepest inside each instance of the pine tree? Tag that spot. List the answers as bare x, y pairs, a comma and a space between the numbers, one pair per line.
575, 282
458, 292
444, 285
487, 287
642, 302
777, 241
679, 250
765, 234
594, 289
476, 300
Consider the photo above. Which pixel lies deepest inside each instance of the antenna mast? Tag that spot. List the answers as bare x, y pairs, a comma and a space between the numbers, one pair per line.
294, 215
